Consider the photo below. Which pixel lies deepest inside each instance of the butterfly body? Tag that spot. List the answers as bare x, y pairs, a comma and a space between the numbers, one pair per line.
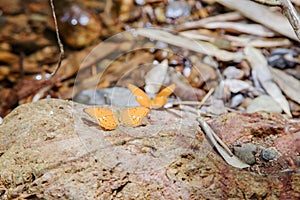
108, 120
153, 103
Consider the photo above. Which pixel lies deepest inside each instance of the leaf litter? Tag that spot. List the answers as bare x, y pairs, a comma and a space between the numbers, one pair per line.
225, 36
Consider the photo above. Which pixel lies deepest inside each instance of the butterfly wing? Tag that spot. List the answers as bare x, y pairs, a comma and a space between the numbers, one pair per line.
140, 96
162, 97
105, 117
133, 116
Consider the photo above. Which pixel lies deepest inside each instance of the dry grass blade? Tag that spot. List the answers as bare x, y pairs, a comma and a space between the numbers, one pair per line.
260, 65
262, 15
183, 42
289, 85
225, 152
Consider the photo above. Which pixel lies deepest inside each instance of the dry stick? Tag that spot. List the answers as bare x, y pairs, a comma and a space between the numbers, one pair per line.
61, 47
204, 99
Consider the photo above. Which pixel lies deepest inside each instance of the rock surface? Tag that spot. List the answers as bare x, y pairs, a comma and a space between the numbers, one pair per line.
51, 149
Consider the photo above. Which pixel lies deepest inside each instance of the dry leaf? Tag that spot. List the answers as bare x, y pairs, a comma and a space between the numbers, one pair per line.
252, 29
183, 42
259, 64
200, 23
263, 15
289, 85
249, 41
230, 159
155, 77
236, 41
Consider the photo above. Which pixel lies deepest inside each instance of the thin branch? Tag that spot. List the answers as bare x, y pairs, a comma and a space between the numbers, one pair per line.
61, 47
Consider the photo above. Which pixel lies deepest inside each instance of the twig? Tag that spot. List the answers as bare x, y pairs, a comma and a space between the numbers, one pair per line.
61, 47
204, 99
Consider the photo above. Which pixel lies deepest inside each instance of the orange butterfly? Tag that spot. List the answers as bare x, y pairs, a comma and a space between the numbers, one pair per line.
108, 121
159, 101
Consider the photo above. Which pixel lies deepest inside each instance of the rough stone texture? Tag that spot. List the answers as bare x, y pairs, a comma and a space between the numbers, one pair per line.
264, 130
51, 149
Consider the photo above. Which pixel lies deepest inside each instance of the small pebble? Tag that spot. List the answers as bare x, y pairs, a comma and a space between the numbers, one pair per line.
177, 9
140, 2
246, 152
282, 51
233, 73
236, 100
282, 58
236, 85
160, 15
269, 153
